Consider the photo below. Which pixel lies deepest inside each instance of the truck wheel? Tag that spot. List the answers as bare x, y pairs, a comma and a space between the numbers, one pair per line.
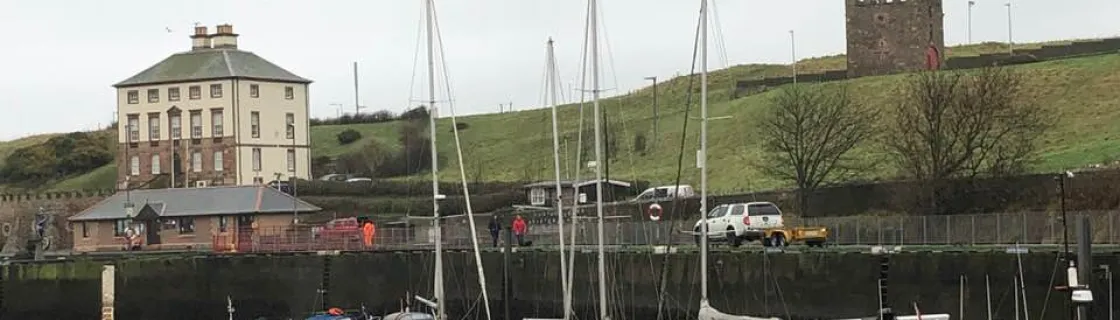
732, 239
778, 240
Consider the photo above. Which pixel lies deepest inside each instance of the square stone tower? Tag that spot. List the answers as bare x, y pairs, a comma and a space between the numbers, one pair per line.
891, 36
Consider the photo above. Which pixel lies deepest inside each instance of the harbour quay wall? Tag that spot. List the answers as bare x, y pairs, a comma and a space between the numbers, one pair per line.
787, 285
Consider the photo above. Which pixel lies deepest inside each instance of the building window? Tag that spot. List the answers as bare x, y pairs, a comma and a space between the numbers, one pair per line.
186, 225
176, 126
153, 95
290, 121
195, 92
196, 161
85, 230
255, 123
219, 163
133, 127
196, 124
254, 91
216, 123
153, 126
257, 159
134, 166
216, 90
118, 227
289, 93
292, 160
537, 196
173, 94
133, 97
258, 180
155, 164
223, 223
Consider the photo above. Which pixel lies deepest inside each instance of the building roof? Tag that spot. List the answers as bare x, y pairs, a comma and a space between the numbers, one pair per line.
182, 202
570, 184
211, 64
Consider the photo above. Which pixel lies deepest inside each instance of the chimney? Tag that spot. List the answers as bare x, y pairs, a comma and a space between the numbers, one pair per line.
200, 40
224, 38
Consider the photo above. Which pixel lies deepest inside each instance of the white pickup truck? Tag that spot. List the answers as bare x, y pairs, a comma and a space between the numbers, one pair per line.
755, 221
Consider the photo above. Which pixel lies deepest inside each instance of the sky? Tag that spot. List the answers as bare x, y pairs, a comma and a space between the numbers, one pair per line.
60, 57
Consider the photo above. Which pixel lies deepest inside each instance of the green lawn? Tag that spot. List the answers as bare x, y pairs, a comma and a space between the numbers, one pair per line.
518, 145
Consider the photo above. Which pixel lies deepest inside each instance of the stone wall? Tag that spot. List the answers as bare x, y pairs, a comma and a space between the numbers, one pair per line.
888, 36
17, 216
791, 286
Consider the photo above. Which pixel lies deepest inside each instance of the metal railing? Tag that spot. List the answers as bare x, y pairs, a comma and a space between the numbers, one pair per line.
978, 229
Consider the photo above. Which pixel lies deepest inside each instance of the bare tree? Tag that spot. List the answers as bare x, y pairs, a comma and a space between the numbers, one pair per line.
808, 133
953, 125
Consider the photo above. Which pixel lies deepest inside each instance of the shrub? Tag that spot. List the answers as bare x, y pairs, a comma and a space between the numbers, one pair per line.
348, 136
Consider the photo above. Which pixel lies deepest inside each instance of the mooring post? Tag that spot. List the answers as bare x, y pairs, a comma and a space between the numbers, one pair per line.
507, 287
1084, 259
108, 291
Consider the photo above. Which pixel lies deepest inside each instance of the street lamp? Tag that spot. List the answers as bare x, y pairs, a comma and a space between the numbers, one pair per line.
1010, 41
292, 176
970, 4
793, 54
338, 106
655, 117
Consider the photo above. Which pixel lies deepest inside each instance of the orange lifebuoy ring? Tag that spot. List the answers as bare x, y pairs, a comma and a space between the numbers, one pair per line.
334, 311
654, 212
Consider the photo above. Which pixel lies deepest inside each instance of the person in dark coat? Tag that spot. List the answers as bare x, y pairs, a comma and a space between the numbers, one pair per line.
495, 229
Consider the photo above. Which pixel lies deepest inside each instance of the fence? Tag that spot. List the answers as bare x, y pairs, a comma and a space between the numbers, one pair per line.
979, 229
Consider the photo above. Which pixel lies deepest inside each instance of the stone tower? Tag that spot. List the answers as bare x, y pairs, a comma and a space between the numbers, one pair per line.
891, 36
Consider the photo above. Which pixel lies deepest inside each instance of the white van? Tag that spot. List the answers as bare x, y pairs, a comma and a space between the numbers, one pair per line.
665, 192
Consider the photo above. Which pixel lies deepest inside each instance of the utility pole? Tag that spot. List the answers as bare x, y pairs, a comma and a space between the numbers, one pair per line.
970, 4
656, 118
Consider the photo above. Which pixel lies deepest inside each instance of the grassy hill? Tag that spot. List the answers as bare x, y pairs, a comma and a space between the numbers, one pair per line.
518, 145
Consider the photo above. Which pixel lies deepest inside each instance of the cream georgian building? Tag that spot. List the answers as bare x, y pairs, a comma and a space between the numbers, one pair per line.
229, 116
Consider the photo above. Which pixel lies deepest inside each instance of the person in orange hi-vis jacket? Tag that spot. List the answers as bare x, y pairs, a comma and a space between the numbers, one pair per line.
368, 231
519, 229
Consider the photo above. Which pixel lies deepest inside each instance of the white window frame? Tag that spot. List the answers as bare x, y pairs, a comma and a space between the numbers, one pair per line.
134, 166
216, 123
156, 164
153, 127
176, 126
257, 159
153, 95
255, 124
196, 161
196, 125
254, 91
216, 90
538, 196
289, 93
134, 128
194, 92
173, 94
290, 125
133, 96
219, 159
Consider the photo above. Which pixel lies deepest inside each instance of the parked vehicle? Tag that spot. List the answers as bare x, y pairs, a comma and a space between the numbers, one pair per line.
665, 192
339, 229
736, 223
339, 177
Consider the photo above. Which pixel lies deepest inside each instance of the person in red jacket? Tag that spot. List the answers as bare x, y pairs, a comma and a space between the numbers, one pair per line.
519, 229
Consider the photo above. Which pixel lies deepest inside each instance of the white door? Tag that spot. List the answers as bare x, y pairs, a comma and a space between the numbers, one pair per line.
717, 220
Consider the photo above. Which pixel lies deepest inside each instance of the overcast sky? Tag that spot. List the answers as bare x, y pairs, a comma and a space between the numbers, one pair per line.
60, 58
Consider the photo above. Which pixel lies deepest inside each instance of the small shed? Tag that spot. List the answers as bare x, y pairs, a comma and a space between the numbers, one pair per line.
544, 193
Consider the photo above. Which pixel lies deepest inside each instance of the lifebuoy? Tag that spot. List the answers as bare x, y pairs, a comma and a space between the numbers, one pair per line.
654, 212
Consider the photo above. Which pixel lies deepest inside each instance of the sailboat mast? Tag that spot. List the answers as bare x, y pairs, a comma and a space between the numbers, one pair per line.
432, 114
594, 17
704, 149
552, 80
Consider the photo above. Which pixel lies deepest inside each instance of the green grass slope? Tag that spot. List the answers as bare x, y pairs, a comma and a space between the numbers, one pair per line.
518, 145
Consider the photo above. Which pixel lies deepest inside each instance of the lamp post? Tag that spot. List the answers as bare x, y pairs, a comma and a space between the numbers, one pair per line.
655, 116
338, 106
970, 4
1010, 41
292, 177
793, 54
